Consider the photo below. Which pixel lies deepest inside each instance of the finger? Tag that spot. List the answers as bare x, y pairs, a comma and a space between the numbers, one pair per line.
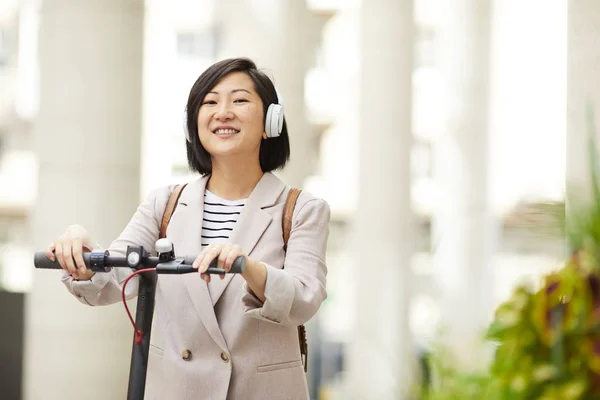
78, 256
223, 256
205, 277
199, 262
67, 254
235, 253
50, 252
212, 252
58, 253
203, 261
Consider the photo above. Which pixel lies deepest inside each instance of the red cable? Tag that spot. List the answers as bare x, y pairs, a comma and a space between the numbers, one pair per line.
139, 335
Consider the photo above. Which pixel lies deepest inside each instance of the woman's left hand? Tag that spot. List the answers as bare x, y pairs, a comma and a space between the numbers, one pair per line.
226, 252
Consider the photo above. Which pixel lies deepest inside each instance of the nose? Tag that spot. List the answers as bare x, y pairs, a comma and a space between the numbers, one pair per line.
223, 113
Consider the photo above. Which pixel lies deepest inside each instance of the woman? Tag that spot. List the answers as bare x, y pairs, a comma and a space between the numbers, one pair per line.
231, 338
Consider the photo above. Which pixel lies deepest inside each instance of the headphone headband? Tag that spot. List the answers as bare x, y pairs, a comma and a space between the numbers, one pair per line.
279, 99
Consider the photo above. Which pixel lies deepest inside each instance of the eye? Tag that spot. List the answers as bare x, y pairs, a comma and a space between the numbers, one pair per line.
240, 101
209, 102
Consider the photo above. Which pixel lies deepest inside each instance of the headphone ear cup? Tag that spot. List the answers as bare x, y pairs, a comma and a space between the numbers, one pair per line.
185, 127
279, 119
274, 120
268, 121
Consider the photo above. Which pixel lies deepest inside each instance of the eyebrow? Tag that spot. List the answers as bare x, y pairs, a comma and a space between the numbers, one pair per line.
233, 91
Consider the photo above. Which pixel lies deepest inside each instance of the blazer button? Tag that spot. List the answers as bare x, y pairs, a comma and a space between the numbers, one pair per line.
186, 355
224, 356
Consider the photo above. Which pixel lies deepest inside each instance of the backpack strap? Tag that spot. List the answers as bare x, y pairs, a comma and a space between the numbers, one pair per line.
288, 214
169, 209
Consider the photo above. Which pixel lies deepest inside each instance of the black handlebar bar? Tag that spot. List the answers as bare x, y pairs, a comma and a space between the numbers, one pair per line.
102, 261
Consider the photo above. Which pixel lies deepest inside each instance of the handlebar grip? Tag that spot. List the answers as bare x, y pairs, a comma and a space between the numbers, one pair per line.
40, 260
94, 260
238, 266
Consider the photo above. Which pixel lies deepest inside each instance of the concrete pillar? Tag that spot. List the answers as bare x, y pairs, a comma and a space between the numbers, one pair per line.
87, 139
583, 90
279, 37
461, 222
381, 352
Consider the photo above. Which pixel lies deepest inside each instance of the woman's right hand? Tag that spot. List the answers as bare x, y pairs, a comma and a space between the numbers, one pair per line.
68, 250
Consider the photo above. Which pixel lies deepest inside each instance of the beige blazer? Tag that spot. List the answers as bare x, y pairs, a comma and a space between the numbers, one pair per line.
231, 346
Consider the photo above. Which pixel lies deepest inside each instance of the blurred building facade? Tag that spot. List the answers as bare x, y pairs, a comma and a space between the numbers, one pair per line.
17, 163
313, 52
17, 185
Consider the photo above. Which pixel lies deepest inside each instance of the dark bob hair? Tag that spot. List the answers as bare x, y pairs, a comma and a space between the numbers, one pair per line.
274, 152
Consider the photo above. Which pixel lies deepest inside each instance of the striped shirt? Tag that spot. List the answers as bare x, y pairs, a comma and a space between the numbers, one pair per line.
219, 218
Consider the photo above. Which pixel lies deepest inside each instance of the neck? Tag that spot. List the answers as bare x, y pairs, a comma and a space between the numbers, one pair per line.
233, 180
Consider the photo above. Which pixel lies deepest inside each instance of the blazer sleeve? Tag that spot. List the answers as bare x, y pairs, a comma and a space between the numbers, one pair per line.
142, 230
294, 294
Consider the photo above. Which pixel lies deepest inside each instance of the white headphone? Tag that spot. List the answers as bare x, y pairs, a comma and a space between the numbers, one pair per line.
273, 120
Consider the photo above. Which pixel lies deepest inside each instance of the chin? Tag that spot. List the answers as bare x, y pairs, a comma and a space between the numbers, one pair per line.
224, 151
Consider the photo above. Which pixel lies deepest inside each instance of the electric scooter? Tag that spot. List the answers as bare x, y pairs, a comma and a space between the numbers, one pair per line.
146, 267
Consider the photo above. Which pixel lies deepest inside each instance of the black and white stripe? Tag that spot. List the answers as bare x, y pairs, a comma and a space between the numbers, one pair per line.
219, 218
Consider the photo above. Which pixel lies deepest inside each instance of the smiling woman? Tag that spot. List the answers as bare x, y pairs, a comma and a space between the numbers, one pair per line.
236, 337
233, 94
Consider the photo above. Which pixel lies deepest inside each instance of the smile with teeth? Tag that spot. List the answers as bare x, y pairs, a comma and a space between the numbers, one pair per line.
226, 131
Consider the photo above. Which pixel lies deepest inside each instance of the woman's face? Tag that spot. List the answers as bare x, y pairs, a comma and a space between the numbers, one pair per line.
230, 118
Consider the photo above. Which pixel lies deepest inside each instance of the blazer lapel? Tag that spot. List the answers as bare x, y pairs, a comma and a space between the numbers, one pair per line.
186, 232
252, 222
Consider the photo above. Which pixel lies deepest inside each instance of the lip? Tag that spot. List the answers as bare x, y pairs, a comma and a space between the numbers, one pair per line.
224, 127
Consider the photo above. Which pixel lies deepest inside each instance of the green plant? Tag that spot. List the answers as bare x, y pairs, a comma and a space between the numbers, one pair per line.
549, 339
451, 383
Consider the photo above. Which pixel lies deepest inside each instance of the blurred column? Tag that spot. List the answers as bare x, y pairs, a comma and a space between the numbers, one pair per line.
461, 224
583, 89
87, 139
381, 351
280, 37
